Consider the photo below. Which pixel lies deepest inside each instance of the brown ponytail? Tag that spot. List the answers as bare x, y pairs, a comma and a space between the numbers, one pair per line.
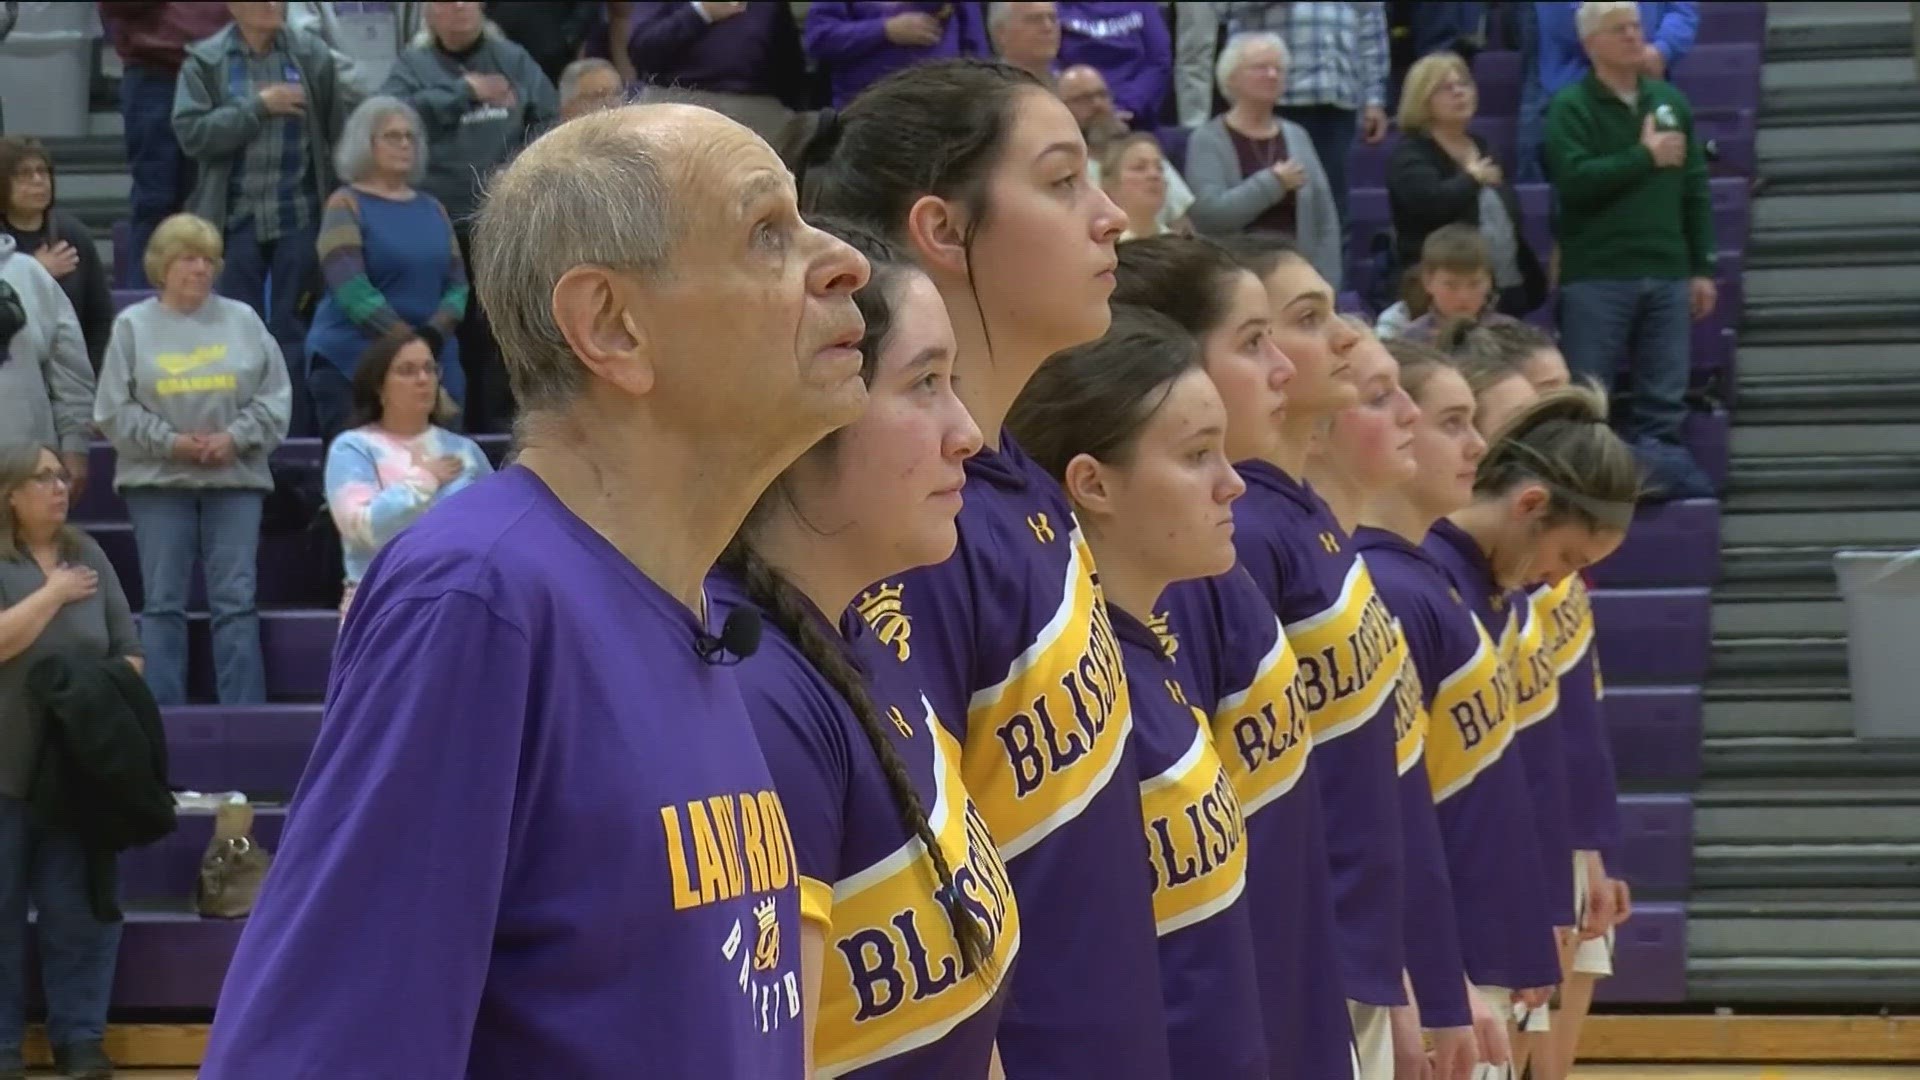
1562, 441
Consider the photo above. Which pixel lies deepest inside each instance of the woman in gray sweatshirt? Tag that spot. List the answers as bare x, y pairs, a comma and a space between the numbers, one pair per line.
194, 397
46, 380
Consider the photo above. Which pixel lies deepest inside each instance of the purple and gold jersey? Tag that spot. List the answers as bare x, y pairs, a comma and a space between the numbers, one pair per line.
1593, 796
1010, 641
1242, 672
536, 836
896, 999
1542, 745
1350, 660
1434, 964
1196, 844
1443, 597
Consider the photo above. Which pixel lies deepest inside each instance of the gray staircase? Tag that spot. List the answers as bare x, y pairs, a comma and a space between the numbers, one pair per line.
1807, 841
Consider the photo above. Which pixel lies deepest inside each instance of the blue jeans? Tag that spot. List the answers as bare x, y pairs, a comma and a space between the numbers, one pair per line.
171, 527
77, 951
162, 173
1645, 323
268, 277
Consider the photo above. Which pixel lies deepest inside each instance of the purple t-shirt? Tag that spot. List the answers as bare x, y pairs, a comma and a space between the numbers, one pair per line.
1010, 641
536, 836
896, 999
849, 40
1243, 673
1479, 782
1404, 573
1593, 794
1350, 661
1196, 841
1129, 45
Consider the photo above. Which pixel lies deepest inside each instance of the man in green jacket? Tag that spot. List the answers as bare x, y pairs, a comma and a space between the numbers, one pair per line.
1636, 239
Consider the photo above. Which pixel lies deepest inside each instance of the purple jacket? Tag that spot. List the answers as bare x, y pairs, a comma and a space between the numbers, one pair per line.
1129, 45
755, 52
1593, 794
849, 40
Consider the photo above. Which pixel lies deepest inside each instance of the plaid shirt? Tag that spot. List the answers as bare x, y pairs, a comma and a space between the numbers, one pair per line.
1339, 50
270, 189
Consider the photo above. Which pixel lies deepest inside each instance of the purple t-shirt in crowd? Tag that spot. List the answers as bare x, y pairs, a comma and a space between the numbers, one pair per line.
536, 836
1350, 662
895, 999
1473, 761
1593, 794
1128, 44
1242, 672
1196, 843
849, 40
1010, 641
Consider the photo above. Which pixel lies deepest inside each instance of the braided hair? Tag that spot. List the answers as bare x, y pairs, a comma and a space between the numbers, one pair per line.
790, 612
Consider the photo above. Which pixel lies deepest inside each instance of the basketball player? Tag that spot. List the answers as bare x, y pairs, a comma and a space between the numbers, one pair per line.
979, 173
536, 836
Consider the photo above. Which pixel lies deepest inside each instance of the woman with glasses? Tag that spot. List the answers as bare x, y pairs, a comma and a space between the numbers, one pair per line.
1442, 174
390, 260
58, 595
394, 462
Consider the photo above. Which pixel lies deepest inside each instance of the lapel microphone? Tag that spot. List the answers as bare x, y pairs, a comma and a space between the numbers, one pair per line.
738, 639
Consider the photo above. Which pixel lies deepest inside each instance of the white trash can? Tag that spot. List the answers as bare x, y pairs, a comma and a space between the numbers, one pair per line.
1882, 593
46, 69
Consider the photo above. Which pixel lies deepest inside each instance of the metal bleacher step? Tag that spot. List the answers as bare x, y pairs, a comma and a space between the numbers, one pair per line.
1830, 321
1763, 664
1838, 31
1867, 923
1737, 713
1778, 614
1789, 865
1891, 277
1801, 982
1894, 351
1833, 757
1838, 482
1866, 528
1822, 395
1800, 434
1806, 810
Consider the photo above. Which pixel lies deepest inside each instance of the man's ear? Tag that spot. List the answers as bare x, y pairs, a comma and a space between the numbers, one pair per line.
593, 309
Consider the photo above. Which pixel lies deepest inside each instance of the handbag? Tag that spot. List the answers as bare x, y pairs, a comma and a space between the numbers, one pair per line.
234, 867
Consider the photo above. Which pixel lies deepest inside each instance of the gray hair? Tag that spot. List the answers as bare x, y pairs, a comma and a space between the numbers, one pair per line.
1594, 12
1234, 51
998, 13
571, 77
423, 37
591, 192
353, 154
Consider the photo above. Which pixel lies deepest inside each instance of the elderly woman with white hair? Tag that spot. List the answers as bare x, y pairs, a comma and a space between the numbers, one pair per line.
1252, 171
389, 256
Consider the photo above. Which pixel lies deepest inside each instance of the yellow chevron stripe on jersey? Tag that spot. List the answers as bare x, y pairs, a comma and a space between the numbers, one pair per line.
894, 980
1536, 683
1046, 739
1196, 836
1469, 726
1350, 657
1409, 712
1261, 731
1566, 614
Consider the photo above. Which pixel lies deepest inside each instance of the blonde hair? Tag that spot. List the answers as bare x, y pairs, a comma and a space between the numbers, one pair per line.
1112, 154
178, 236
18, 464
1416, 94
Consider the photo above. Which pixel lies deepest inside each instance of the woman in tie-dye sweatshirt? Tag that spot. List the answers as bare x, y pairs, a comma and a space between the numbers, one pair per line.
395, 462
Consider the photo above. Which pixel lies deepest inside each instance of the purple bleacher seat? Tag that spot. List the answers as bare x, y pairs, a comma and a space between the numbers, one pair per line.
1656, 849
1718, 77
123, 274
1733, 134
1653, 635
168, 869
1709, 437
1502, 134
1732, 211
169, 959
297, 647
1649, 957
1655, 731
1496, 74
1671, 545
1536, 217
1367, 162
258, 749
291, 571
1173, 145
1350, 304
1368, 212
1728, 21
99, 503
126, 298
1712, 347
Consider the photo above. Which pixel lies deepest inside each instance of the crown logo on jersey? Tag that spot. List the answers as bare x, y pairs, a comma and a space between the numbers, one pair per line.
766, 943
899, 722
1330, 542
883, 613
1042, 530
1169, 641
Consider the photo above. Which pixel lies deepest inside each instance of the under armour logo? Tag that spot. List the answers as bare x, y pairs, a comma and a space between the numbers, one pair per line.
1330, 542
1042, 531
900, 722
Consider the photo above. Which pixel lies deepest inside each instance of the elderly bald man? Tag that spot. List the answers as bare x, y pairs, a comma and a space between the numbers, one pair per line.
537, 837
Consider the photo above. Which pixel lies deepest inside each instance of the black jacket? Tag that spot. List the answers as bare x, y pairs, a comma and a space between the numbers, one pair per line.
1427, 188
102, 773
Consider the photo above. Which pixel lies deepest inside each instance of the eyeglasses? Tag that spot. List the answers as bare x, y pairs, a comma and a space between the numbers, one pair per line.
415, 371
398, 138
50, 479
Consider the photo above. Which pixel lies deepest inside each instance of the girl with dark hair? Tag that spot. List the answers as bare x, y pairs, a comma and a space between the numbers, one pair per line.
395, 462
979, 174
1136, 432
1242, 671
909, 919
